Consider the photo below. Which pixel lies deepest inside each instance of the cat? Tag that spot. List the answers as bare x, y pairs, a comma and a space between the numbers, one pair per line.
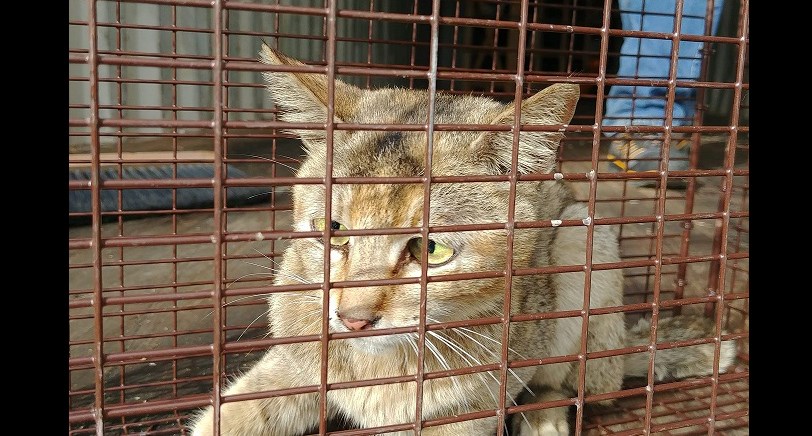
302, 98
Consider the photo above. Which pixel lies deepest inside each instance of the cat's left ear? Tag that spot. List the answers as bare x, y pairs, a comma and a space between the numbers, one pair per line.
302, 97
554, 105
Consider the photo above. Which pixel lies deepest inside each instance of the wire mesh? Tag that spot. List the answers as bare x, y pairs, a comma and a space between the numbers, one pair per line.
167, 299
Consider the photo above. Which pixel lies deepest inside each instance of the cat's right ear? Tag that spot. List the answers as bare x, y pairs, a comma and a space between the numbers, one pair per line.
302, 97
552, 106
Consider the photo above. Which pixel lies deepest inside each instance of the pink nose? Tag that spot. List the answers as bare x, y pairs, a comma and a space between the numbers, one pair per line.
356, 324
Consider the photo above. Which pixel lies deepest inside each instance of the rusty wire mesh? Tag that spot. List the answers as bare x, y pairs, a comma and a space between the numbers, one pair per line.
166, 302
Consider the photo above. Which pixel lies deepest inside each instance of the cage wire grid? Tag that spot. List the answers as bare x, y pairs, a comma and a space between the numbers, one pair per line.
167, 103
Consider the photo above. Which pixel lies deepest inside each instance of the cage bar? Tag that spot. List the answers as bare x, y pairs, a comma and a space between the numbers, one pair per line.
167, 299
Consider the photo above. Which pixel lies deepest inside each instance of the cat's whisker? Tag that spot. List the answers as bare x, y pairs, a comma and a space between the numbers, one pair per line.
268, 159
413, 343
247, 297
278, 272
489, 351
437, 353
273, 271
460, 351
412, 340
266, 312
456, 348
252, 323
307, 299
401, 344
278, 269
316, 314
440, 358
494, 354
248, 275
304, 298
443, 362
486, 337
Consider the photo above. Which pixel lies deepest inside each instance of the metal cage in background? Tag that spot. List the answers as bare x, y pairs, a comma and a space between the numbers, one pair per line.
180, 186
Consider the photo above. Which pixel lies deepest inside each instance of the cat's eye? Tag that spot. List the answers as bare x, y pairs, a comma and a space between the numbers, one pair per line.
318, 224
438, 253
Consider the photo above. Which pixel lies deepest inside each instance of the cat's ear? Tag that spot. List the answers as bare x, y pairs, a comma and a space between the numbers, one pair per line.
302, 97
553, 105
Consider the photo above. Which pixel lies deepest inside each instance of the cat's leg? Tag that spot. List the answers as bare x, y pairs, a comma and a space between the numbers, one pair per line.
477, 427
606, 332
602, 375
544, 422
276, 416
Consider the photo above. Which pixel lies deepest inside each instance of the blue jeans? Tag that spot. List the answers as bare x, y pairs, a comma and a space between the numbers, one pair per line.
650, 59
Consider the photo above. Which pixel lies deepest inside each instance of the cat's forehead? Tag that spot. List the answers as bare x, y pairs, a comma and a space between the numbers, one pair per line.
372, 206
406, 106
383, 205
402, 153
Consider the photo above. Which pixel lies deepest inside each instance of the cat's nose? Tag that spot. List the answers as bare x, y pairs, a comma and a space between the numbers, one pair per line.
357, 322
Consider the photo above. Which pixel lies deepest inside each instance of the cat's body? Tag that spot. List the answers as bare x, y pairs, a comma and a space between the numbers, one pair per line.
303, 98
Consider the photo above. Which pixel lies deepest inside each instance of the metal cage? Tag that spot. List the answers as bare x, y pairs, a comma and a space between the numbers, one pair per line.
180, 202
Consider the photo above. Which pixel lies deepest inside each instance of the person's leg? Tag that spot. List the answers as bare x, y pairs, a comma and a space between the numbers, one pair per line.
650, 59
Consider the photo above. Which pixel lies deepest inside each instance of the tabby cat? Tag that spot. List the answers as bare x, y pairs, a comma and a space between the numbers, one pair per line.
302, 97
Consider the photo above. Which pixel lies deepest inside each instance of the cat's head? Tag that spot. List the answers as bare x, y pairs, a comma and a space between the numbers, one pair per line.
303, 98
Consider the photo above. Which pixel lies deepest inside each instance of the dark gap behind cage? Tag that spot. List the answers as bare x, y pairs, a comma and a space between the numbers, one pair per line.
155, 199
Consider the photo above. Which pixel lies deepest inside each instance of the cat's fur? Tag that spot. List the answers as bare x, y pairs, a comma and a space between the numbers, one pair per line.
303, 98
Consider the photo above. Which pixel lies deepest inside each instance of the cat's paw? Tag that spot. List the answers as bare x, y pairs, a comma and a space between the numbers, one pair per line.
548, 422
201, 424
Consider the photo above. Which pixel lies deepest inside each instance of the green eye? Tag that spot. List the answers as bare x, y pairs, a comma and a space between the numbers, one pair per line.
438, 253
318, 224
